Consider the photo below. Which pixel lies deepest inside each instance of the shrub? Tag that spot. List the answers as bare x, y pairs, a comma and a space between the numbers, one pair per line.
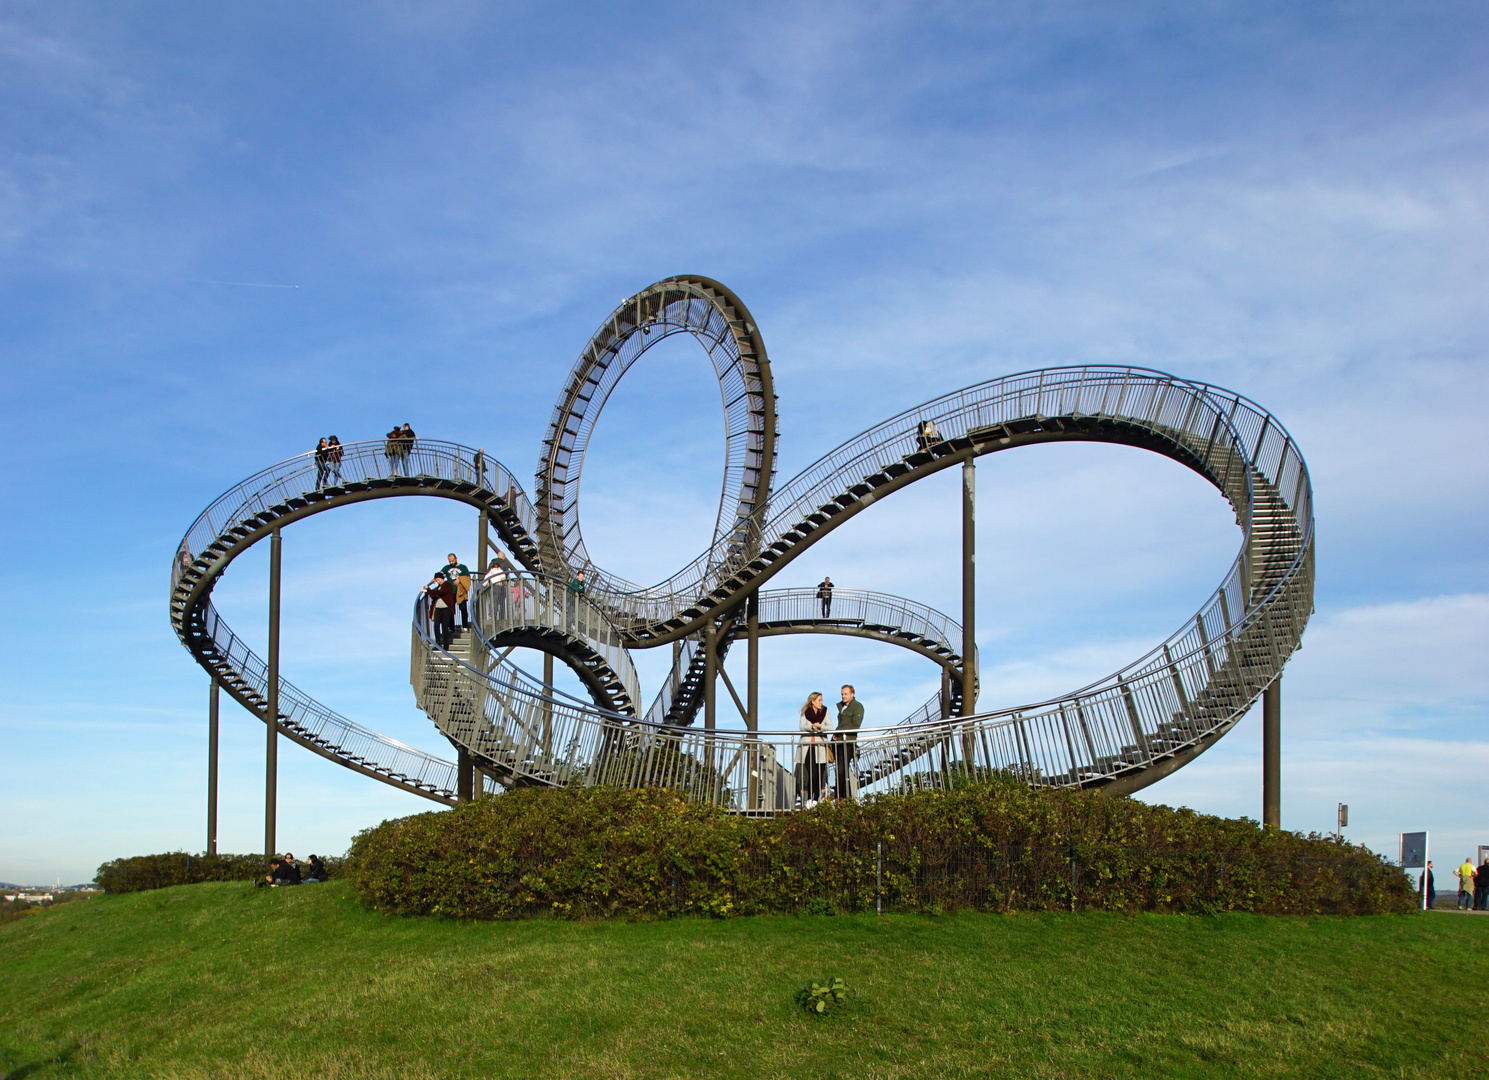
817, 998
140, 872
998, 845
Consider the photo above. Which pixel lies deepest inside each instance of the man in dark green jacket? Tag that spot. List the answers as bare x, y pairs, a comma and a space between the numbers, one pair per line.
845, 743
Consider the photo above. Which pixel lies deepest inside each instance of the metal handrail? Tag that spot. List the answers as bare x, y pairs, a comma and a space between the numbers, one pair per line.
1176, 698
510, 602
1189, 689
362, 463
279, 489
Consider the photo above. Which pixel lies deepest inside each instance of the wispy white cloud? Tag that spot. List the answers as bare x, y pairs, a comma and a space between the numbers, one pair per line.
909, 199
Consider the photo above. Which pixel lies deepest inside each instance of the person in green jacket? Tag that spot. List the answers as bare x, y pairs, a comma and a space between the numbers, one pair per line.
845, 742
574, 591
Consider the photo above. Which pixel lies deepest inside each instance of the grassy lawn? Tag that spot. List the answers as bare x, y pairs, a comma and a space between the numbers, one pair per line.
225, 980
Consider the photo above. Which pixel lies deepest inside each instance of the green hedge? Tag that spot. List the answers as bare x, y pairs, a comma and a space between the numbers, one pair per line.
604, 852
140, 872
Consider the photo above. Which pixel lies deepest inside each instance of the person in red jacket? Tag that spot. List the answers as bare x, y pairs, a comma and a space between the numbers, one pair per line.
441, 596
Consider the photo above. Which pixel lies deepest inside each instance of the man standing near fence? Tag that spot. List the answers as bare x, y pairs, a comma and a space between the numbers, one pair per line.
845, 743
824, 594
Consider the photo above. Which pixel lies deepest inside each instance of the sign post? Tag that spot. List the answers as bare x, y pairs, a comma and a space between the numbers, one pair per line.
1414, 856
1343, 820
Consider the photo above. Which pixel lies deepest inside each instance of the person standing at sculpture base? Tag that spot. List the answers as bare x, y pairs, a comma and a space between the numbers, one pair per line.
845, 743
813, 751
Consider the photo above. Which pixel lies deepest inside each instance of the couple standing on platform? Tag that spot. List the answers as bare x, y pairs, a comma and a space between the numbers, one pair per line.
819, 747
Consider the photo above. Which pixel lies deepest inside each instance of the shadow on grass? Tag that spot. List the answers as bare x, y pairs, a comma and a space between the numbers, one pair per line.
61, 1059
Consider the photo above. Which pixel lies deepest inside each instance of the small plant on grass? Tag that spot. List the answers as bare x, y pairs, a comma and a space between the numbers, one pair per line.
819, 998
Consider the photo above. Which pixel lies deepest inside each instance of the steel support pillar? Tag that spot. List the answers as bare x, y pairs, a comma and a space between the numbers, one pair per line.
710, 675
463, 775
271, 717
212, 715
752, 699
969, 585
482, 542
548, 703
1272, 755
752, 679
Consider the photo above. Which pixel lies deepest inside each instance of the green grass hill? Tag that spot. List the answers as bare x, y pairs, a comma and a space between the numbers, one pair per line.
223, 980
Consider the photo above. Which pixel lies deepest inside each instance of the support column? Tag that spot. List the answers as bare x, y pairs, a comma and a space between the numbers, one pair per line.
752, 698
483, 540
969, 584
548, 704
1272, 755
212, 713
710, 689
710, 674
752, 687
271, 762
463, 777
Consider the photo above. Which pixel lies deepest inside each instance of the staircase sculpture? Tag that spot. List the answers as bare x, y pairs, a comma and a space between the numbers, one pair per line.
1119, 733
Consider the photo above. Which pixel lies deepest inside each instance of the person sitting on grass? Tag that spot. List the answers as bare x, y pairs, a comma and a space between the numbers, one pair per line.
288, 873
315, 871
274, 864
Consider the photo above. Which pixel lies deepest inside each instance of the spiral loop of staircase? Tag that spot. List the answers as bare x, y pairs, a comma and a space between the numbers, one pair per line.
1119, 733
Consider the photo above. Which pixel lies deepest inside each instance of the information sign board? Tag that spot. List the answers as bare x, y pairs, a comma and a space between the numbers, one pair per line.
1413, 851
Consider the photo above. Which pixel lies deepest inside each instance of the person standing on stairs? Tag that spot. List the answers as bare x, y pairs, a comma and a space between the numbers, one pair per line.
458, 575
392, 448
573, 593
495, 584
824, 593
441, 595
333, 458
845, 743
406, 447
322, 464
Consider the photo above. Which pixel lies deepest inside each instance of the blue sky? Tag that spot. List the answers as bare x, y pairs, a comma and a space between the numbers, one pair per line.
1286, 200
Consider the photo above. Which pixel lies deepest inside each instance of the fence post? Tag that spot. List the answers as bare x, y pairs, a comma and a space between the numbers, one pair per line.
1072, 877
879, 879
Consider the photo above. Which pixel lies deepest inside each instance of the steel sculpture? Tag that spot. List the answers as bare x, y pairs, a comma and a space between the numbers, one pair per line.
510, 728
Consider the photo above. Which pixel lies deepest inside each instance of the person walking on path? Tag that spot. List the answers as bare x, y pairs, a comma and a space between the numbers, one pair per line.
322, 463
333, 458
824, 593
391, 449
814, 749
458, 575
1426, 881
478, 461
441, 596
845, 743
1465, 884
1481, 885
